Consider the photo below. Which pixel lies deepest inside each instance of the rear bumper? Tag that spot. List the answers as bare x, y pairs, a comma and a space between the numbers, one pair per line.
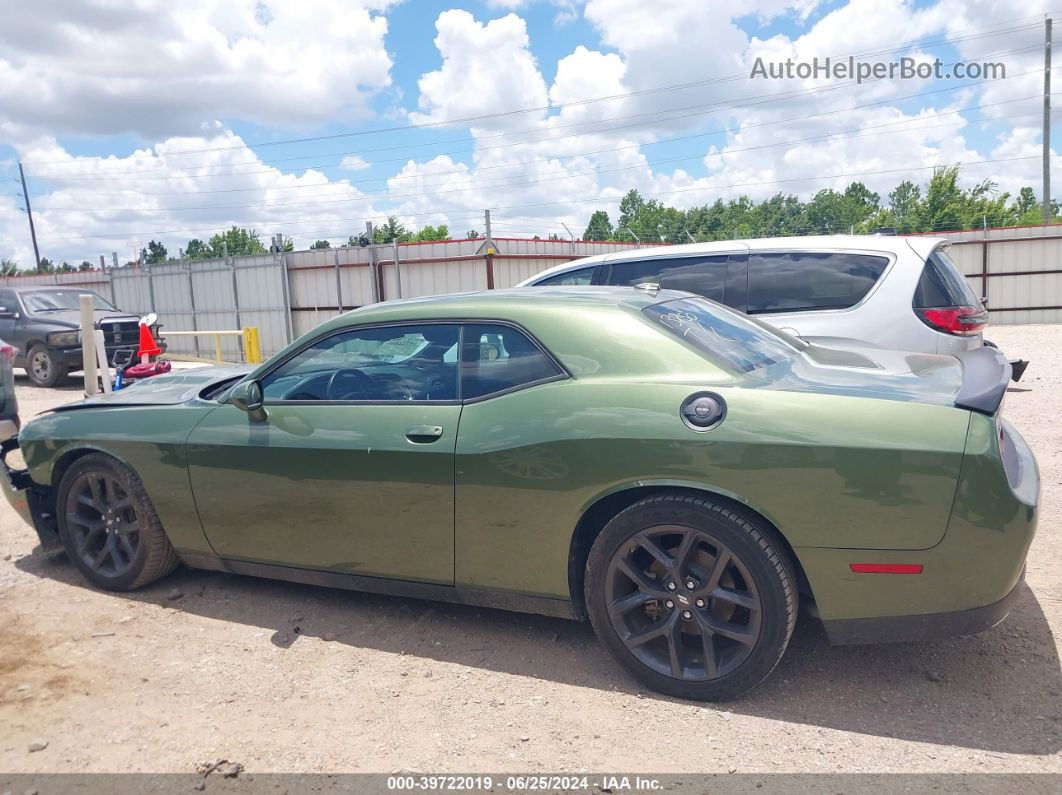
899, 629
29, 500
966, 582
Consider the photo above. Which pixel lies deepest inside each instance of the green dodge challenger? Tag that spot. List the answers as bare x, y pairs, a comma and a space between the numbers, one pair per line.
677, 473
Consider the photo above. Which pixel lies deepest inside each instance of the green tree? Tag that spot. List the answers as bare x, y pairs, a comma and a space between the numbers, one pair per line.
392, 230
66, 267
154, 254
321, 244
599, 228
440, 232
8, 266
196, 249
1025, 201
46, 266
85, 265
240, 242
472, 234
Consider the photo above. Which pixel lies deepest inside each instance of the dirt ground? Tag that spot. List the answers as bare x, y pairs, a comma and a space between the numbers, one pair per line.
292, 678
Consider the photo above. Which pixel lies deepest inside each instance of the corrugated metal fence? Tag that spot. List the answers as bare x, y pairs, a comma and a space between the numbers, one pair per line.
286, 295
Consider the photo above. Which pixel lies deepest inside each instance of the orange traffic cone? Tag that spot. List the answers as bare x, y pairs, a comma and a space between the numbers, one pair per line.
148, 346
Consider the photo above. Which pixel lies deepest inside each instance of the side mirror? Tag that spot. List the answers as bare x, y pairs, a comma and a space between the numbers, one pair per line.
5, 314
247, 396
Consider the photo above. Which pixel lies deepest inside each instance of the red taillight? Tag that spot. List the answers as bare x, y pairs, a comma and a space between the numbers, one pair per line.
886, 568
7, 352
961, 320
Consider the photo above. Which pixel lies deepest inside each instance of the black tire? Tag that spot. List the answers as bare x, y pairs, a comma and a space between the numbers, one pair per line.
44, 367
756, 569
123, 518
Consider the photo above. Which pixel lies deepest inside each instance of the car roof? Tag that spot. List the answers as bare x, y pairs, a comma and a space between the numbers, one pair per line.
501, 303
885, 244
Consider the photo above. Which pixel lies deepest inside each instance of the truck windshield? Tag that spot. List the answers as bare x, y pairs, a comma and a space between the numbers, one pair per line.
62, 301
737, 341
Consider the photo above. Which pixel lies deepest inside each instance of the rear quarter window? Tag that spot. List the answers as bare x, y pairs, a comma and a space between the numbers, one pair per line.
943, 285
799, 281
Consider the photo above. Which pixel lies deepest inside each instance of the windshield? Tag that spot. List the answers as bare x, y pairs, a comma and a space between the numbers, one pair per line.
62, 301
721, 334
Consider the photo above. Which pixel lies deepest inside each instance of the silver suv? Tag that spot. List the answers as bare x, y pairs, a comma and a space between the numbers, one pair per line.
902, 293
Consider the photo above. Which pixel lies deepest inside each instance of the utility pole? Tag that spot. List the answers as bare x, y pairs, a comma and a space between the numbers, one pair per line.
1048, 214
29, 214
487, 249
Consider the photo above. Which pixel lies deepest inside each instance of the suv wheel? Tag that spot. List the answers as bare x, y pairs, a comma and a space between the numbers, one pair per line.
44, 367
692, 599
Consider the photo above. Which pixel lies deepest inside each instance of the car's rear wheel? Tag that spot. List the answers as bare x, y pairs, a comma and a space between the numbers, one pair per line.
109, 526
693, 599
44, 367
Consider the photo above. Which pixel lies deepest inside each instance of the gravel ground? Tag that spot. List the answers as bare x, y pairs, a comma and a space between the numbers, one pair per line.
282, 677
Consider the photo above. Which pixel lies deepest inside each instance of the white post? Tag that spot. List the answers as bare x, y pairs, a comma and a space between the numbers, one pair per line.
88, 343
101, 360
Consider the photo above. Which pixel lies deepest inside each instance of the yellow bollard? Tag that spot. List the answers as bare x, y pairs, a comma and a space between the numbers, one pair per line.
251, 349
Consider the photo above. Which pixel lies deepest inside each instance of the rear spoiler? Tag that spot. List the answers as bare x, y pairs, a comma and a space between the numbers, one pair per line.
985, 375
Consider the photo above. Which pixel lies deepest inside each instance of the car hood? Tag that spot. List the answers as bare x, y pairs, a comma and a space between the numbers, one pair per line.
172, 388
871, 372
72, 317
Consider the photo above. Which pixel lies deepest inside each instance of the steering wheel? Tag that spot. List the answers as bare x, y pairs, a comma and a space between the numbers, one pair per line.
360, 383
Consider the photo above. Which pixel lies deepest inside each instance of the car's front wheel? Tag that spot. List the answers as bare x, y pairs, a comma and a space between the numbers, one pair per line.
45, 367
693, 599
109, 526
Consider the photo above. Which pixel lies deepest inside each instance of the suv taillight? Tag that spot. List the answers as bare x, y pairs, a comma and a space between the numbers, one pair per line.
959, 320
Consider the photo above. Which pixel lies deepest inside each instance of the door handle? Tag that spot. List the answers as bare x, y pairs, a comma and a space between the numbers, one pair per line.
422, 434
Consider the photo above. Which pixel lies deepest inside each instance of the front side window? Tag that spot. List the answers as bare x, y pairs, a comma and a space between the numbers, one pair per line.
724, 336
371, 364
44, 301
496, 358
569, 278
705, 276
800, 281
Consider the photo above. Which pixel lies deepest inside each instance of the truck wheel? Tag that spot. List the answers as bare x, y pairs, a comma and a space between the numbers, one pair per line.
44, 367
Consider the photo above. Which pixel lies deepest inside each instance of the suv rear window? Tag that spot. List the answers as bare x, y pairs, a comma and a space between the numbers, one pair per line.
943, 285
731, 339
803, 281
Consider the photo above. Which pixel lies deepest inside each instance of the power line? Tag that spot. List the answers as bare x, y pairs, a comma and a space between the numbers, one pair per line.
769, 98
990, 31
598, 199
472, 185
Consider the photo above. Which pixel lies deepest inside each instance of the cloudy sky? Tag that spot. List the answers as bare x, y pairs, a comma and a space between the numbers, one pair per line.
150, 119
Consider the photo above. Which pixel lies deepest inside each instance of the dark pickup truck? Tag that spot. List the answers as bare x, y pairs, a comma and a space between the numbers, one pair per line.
43, 324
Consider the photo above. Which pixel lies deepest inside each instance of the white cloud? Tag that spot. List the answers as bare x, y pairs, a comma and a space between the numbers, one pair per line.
487, 68
354, 163
536, 162
160, 68
172, 192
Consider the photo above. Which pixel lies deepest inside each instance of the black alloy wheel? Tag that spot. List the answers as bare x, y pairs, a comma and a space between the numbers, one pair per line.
109, 527
691, 596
